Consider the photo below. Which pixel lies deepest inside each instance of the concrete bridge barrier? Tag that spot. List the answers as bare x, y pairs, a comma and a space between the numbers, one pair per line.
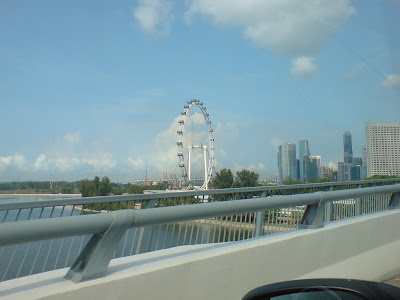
364, 247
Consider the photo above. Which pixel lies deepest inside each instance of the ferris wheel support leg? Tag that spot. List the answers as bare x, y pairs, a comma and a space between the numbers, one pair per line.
205, 167
189, 152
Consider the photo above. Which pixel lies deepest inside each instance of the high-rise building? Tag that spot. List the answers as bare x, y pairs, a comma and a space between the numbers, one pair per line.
348, 155
363, 169
383, 148
315, 162
357, 161
364, 155
287, 162
280, 174
304, 159
356, 172
340, 171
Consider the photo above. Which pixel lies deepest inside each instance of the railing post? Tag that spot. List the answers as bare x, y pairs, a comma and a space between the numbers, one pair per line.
358, 203
260, 219
93, 261
328, 208
394, 202
145, 233
313, 216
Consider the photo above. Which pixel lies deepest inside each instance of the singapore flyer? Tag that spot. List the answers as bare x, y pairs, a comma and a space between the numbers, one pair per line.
195, 145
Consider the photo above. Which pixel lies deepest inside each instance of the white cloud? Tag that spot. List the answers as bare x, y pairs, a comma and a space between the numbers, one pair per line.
154, 16
41, 162
136, 163
255, 168
73, 138
66, 163
286, 27
17, 160
5, 161
391, 81
100, 161
303, 67
225, 131
332, 165
165, 148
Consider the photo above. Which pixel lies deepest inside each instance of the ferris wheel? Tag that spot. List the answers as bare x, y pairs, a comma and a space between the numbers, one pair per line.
196, 145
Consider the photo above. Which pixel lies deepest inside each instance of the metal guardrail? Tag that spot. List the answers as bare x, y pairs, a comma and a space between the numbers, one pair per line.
243, 218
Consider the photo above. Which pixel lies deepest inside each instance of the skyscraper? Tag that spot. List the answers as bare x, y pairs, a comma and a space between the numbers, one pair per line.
383, 148
340, 171
279, 154
315, 162
287, 159
363, 169
304, 159
348, 155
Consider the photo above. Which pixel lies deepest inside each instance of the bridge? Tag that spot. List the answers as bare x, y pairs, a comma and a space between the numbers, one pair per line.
214, 244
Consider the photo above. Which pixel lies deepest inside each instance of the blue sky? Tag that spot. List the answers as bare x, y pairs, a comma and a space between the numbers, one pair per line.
95, 87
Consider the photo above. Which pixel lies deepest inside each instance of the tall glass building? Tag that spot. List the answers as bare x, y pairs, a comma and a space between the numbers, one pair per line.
279, 154
304, 159
348, 155
288, 160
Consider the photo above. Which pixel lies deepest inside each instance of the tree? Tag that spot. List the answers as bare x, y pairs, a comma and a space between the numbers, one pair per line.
380, 177
95, 187
96, 183
246, 178
86, 188
105, 187
290, 180
321, 180
223, 179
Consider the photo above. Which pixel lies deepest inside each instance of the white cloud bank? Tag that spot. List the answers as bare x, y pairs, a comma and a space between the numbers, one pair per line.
285, 27
391, 81
303, 67
64, 156
154, 16
100, 161
41, 163
136, 163
17, 160
96, 161
258, 168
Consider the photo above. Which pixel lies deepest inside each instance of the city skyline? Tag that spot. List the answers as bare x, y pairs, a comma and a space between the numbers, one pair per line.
97, 88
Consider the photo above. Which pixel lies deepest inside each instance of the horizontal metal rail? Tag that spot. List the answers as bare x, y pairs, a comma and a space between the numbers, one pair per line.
34, 230
108, 229
147, 197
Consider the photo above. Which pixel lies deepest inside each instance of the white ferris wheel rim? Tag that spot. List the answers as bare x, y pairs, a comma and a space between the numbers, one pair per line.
211, 150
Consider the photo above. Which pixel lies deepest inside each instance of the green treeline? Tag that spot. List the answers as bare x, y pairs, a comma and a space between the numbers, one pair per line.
104, 187
56, 187
95, 187
224, 179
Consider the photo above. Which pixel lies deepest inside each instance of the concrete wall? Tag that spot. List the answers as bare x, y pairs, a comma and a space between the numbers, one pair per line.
366, 247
